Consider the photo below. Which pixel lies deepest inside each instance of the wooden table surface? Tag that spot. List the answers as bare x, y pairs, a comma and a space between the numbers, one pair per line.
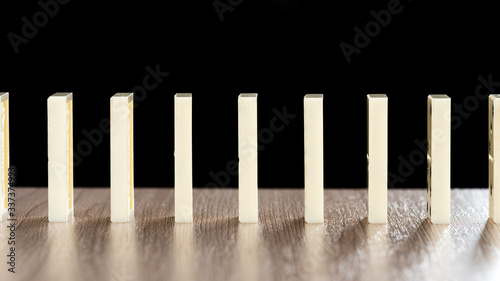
280, 247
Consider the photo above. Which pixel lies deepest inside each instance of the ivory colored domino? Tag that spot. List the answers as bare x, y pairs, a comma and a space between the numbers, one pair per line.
494, 152
313, 158
377, 158
247, 153
60, 154
122, 157
183, 158
4, 158
438, 158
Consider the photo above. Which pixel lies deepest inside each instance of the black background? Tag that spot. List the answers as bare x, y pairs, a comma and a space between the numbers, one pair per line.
279, 49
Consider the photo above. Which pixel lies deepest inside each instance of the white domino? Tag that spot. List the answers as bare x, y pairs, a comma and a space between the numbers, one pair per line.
183, 158
313, 158
60, 155
247, 153
438, 158
377, 158
494, 153
4, 157
122, 157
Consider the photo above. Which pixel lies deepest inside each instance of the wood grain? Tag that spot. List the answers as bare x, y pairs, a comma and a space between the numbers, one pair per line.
280, 247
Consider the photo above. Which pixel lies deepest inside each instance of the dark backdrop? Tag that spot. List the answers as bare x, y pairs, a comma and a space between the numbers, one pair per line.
279, 49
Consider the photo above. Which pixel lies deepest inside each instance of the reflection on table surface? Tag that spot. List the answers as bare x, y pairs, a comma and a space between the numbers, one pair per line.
281, 247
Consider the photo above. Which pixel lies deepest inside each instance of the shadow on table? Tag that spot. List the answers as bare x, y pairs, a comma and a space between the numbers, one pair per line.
488, 245
425, 252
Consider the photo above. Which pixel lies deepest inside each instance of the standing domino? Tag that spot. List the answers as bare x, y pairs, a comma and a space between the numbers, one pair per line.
183, 158
122, 157
60, 154
438, 158
377, 158
494, 152
247, 153
4, 149
313, 158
